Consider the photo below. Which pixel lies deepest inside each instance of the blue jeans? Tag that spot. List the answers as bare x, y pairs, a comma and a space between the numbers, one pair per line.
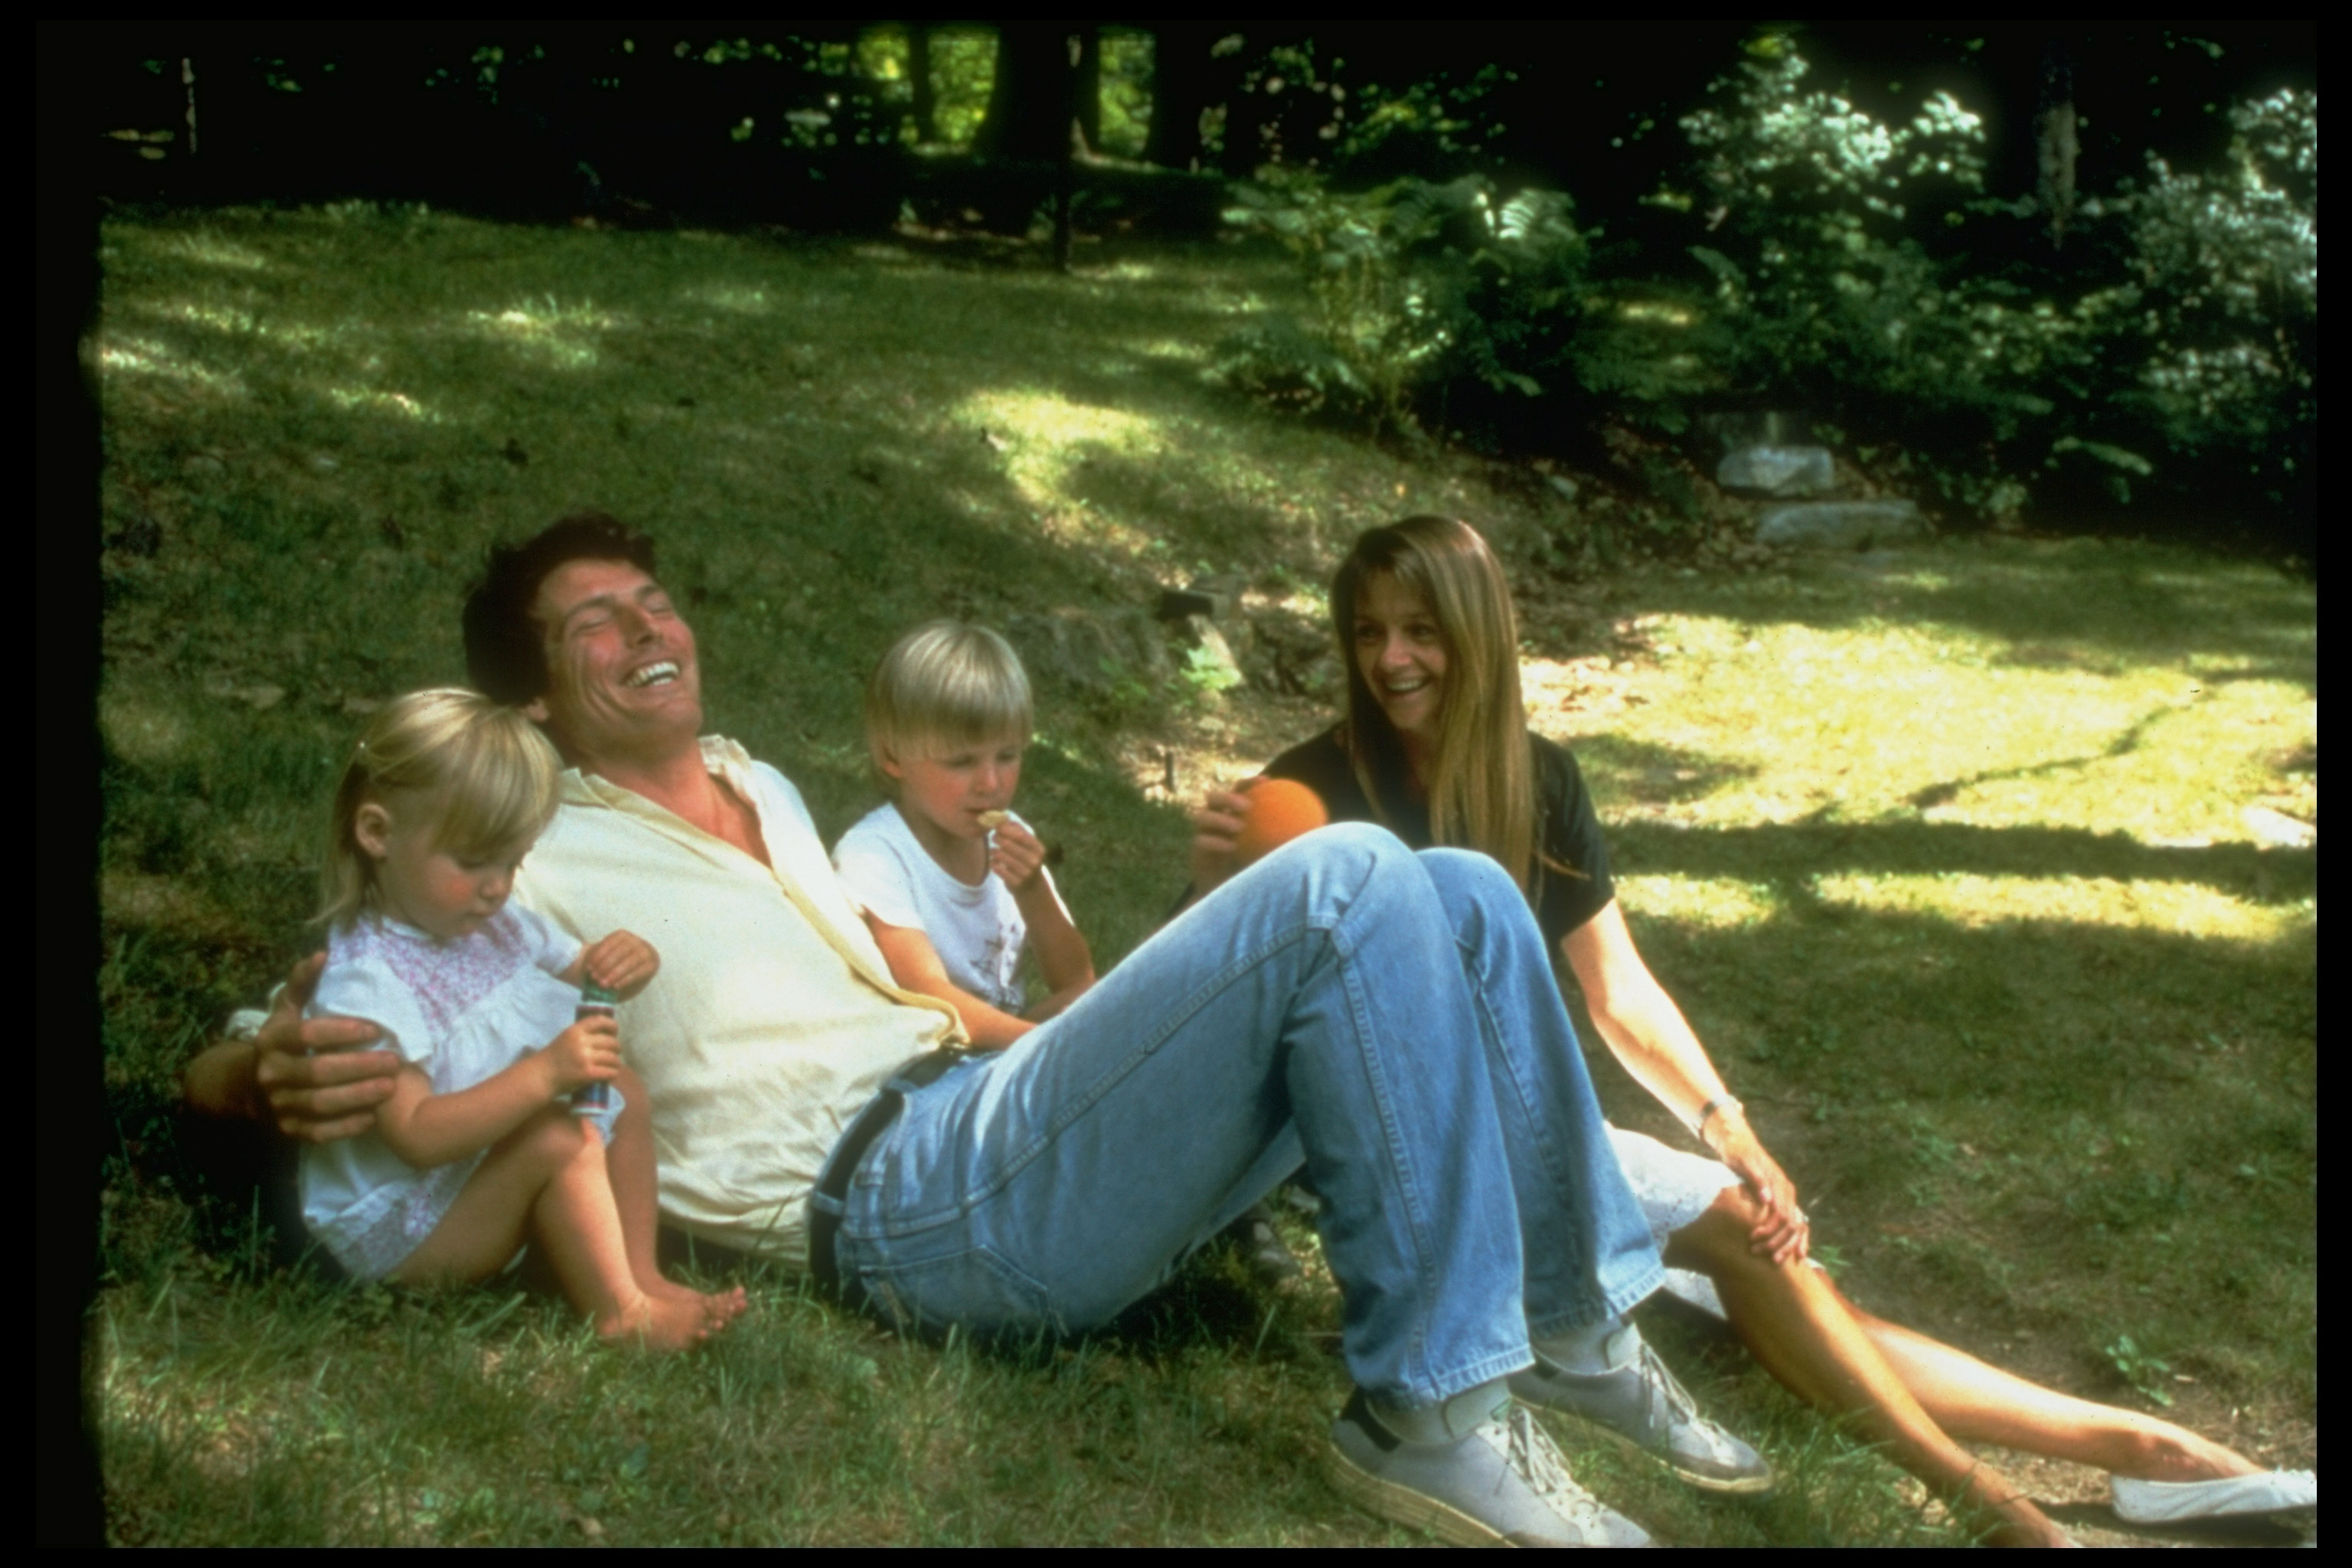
1389, 1018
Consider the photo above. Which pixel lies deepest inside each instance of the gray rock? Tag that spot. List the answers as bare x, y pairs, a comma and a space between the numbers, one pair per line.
1778, 470
1090, 649
1839, 524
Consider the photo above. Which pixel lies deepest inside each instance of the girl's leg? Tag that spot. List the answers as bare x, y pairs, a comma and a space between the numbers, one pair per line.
1983, 1404
629, 1165
491, 1218
1804, 1333
547, 1177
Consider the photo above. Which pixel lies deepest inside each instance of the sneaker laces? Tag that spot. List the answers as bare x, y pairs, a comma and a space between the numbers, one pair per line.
1681, 1410
1530, 1451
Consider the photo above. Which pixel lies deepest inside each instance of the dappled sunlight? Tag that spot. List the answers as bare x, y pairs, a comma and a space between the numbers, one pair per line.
742, 299
147, 357
368, 400
213, 251
1708, 903
546, 331
1044, 436
2181, 909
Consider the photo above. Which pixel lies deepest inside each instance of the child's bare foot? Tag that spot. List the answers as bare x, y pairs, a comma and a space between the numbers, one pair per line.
721, 1308
657, 1323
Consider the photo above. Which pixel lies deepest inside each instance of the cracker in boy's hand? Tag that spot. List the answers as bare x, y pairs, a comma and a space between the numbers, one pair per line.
992, 820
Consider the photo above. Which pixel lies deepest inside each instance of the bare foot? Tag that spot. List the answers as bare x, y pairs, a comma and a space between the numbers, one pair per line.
721, 1308
657, 1323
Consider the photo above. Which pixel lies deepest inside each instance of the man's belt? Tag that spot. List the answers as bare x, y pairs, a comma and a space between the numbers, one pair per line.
824, 1223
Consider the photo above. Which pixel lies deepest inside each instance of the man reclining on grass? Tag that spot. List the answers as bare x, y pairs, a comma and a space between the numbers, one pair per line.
1387, 1017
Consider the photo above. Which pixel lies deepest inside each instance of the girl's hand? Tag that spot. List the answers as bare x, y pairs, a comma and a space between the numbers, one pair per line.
1783, 1234
588, 1052
1216, 827
1014, 854
622, 962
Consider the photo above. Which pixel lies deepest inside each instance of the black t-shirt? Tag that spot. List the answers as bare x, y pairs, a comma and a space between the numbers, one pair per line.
1567, 829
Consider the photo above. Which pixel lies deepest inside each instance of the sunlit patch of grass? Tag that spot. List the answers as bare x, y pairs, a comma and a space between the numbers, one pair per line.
1704, 903
2207, 914
550, 333
148, 357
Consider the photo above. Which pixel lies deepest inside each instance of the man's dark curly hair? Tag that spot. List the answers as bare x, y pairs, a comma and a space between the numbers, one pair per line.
506, 648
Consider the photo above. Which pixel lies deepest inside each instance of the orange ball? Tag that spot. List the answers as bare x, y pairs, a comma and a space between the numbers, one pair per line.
1279, 811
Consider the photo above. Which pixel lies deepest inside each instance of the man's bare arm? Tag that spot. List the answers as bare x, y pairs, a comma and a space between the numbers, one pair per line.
310, 1078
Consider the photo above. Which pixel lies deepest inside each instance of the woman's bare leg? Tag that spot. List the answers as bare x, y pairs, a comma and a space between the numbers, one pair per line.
629, 1164
547, 1176
1802, 1331
1982, 1403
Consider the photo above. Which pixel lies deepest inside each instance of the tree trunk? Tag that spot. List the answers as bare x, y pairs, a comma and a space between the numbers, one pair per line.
1029, 103
918, 71
1181, 72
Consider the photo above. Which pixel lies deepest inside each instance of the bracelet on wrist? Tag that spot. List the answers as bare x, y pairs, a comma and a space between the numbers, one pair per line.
1721, 1105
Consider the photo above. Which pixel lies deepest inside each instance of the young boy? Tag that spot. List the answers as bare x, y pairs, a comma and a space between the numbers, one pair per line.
951, 882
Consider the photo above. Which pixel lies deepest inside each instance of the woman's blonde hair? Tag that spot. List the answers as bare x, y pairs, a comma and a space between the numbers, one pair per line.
944, 685
1482, 790
483, 770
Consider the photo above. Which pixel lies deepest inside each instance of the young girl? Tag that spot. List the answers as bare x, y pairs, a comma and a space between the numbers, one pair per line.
951, 882
476, 1148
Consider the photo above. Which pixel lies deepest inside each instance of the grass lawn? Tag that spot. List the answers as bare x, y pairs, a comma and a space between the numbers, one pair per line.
1947, 851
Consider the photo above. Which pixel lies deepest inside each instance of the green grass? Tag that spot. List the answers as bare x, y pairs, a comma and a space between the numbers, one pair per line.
1941, 850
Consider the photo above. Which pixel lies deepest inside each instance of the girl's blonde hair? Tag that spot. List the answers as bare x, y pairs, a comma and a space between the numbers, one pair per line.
483, 770
1482, 790
944, 685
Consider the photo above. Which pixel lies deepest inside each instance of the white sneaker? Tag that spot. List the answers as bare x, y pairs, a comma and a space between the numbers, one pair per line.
1502, 1484
2169, 1502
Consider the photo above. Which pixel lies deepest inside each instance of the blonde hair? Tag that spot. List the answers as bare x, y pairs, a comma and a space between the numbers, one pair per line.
1482, 789
943, 685
483, 770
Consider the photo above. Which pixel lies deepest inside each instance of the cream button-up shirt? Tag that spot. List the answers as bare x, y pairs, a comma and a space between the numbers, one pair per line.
773, 1019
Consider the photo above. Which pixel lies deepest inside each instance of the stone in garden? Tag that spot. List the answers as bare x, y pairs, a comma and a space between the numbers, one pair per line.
1089, 648
1207, 650
1778, 470
1839, 524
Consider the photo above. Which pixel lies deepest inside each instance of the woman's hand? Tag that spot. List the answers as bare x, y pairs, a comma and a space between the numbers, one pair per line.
1014, 854
1216, 829
311, 1076
1783, 1234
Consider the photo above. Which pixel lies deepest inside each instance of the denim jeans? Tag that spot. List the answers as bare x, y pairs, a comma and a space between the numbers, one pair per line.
1389, 1018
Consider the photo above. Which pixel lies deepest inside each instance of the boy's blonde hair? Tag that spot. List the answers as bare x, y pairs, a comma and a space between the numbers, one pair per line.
943, 685
483, 770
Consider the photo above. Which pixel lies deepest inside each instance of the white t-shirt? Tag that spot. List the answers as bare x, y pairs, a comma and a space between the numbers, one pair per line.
977, 929
463, 1011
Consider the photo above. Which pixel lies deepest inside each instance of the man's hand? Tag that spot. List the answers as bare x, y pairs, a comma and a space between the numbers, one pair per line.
1783, 1234
1216, 829
588, 1052
313, 1077
622, 963
1014, 855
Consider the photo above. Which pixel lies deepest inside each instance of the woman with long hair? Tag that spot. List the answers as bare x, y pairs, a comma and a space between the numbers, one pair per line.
1434, 745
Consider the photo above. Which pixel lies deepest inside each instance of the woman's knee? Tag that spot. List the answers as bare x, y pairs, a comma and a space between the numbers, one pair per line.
1718, 1237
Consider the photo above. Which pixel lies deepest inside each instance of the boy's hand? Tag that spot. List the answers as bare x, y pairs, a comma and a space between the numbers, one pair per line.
588, 1052
313, 1076
1014, 854
1216, 827
623, 963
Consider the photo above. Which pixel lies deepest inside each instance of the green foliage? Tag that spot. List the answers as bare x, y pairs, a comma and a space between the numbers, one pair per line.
2141, 1368
1849, 266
